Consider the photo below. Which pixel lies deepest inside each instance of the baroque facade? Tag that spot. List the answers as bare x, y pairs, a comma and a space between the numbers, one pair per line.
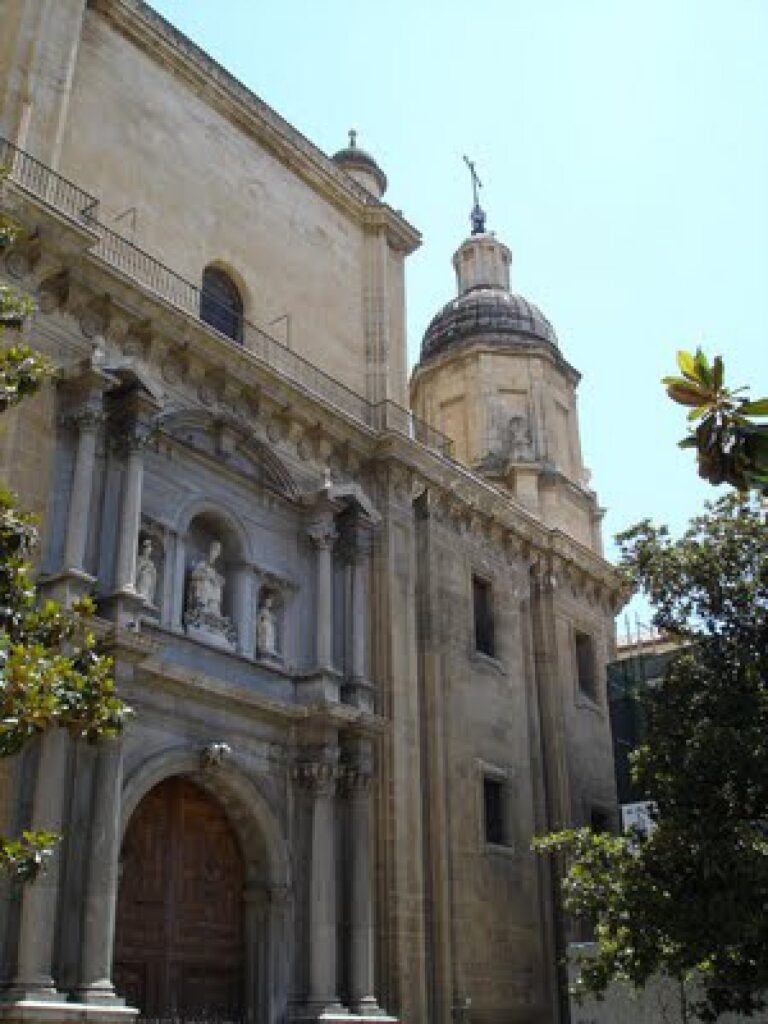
362, 628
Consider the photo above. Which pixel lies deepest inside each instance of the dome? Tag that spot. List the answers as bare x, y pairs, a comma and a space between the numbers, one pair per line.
353, 159
504, 316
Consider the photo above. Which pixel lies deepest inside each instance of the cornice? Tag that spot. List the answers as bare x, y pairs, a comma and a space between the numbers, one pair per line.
157, 37
524, 348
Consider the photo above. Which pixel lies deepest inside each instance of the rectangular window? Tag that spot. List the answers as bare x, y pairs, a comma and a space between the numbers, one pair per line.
599, 820
585, 664
493, 808
482, 600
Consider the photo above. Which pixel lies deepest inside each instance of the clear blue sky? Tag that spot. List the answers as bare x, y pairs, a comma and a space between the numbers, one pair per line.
624, 152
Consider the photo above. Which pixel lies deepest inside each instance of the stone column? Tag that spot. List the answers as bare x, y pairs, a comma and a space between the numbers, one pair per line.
37, 928
257, 980
245, 609
320, 779
130, 515
360, 952
98, 933
358, 689
323, 536
88, 420
179, 595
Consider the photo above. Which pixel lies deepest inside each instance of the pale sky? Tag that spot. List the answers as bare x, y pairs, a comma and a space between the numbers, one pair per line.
624, 153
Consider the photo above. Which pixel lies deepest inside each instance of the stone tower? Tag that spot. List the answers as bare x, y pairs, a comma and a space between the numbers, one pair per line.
492, 377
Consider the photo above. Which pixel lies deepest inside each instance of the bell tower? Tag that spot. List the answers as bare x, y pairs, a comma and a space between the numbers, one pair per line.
493, 378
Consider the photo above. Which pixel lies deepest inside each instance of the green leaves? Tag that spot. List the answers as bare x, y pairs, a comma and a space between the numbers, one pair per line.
51, 675
689, 901
726, 436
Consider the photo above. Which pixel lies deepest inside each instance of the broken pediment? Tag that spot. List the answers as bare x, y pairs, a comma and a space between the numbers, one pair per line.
226, 441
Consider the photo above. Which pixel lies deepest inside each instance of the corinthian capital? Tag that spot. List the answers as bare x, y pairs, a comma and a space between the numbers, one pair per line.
322, 535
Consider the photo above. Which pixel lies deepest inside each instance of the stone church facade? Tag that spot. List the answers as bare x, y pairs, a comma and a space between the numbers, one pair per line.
362, 624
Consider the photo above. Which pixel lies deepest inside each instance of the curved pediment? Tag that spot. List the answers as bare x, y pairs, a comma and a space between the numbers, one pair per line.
225, 440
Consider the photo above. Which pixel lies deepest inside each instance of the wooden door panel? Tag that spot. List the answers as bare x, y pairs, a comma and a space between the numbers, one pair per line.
179, 937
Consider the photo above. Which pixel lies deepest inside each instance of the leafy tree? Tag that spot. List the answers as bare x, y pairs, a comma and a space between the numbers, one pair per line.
50, 672
731, 447
690, 900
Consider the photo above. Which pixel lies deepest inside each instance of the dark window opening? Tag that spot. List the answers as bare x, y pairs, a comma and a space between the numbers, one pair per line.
220, 303
585, 664
482, 599
599, 820
493, 806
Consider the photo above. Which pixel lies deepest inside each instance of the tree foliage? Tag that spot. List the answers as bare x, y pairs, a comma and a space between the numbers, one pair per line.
731, 447
51, 675
690, 900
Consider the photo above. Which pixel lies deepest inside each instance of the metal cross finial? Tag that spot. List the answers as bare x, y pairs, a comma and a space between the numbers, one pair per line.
478, 215
352, 138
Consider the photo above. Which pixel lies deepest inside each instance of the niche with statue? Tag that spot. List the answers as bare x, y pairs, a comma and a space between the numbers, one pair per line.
211, 552
269, 624
150, 563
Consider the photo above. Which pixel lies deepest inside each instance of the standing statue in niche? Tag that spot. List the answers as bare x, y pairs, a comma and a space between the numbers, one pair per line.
205, 590
266, 629
146, 573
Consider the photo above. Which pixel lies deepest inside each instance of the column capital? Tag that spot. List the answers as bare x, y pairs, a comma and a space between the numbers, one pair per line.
316, 767
85, 417
322, 535
132, 437
355, 780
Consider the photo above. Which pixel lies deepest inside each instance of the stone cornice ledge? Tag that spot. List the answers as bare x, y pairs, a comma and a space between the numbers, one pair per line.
341, 716
158, 37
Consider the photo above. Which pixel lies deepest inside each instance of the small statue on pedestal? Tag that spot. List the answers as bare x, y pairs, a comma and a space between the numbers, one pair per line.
146, 573
266, 629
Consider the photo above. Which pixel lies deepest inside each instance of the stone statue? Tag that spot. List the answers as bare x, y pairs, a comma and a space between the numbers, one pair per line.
206, 585
146, 573
266, 630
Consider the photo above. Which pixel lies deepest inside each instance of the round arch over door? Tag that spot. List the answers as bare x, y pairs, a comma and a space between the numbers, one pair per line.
179, 941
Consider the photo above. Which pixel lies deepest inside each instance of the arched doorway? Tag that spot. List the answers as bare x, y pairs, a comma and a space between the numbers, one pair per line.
179, 949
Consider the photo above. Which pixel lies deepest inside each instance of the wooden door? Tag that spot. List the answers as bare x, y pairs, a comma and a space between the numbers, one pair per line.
179, 934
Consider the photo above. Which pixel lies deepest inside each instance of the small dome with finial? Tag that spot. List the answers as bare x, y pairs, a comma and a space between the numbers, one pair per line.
361, 166
486, 309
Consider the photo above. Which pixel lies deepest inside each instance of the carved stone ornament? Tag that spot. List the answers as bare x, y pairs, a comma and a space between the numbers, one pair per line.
214, 755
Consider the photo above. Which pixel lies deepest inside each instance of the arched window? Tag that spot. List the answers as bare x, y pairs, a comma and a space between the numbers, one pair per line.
220, 303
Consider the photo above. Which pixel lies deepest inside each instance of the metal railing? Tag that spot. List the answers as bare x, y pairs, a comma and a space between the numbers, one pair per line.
127, 258
46, 185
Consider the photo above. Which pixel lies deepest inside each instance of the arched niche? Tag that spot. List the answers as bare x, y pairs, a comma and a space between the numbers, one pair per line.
214, 553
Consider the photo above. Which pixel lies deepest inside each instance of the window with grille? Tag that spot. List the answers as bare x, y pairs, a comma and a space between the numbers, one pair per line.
220, 303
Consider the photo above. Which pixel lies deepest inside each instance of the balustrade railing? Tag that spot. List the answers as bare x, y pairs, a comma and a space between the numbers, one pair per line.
127, 258
46, 185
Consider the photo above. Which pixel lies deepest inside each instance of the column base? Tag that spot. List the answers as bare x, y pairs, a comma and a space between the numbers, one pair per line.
99, 994
21, 992
61, 1011
67, 586
320, 687
359, 692
367, 1010
124, 607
